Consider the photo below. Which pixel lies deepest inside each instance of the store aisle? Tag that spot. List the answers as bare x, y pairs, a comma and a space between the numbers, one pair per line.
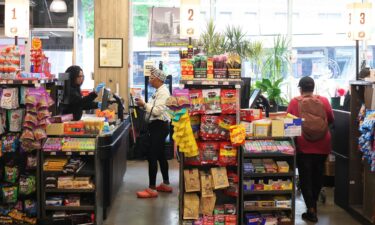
129, 210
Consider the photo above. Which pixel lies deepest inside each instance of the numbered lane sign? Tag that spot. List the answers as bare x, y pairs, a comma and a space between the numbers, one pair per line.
17, 18
359, 21
189, 18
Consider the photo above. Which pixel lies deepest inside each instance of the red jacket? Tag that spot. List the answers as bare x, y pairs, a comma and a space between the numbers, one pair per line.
322, 146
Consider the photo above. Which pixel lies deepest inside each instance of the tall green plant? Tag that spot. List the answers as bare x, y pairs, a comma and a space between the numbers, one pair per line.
235, 41
277, 60
255, 54
212, 41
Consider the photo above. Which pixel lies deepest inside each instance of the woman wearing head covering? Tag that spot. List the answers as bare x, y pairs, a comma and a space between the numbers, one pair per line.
77, 103
159, 128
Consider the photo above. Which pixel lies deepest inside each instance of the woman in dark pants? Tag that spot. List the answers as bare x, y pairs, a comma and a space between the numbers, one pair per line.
78, 103
158, 128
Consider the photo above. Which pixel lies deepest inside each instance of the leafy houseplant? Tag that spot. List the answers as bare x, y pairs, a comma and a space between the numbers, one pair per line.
212, 41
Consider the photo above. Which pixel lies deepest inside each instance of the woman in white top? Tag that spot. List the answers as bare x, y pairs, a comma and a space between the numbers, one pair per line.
159, 129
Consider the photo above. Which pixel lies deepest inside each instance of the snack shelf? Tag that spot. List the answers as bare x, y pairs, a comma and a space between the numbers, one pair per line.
290, 174
65, 153
58, 190
27, 81
266, 209
75, 135
71, 208
86, 170
266, 154
237, 83
278, 192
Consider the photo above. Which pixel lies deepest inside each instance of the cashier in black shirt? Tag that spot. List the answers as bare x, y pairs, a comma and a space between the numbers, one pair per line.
78, 103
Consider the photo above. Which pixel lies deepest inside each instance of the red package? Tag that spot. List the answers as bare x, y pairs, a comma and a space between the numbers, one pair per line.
193, 161
225, 121
196, 102
209, 152
208, 220
210, 129
228, 101
227, 154
233, 177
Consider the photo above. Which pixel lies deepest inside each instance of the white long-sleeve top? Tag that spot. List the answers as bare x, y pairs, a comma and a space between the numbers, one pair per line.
158, 101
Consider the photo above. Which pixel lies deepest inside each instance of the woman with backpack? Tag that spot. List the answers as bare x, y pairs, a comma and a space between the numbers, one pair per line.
314, 145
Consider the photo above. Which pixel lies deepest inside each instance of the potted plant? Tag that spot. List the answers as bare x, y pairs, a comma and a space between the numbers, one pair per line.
211, 41
276, 64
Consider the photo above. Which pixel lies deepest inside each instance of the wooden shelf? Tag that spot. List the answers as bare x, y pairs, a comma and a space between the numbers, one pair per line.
290, 174
71, 208
281, 192
56, 190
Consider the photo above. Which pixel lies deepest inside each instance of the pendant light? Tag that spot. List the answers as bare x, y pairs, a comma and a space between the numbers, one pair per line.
58, 6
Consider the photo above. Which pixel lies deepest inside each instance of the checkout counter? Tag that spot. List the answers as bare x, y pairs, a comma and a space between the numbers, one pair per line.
112, 149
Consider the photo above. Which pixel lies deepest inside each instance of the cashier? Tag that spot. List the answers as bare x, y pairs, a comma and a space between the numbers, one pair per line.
78, 103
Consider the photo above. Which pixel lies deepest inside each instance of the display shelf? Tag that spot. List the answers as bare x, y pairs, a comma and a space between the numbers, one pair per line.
58, 190
216, 82
86, 170
266, 154
75, 135
27, 81
70, 208
65, 153
253, 175
280, 192
266, 209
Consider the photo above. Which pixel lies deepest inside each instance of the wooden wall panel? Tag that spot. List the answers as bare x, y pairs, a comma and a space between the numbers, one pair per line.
112, 21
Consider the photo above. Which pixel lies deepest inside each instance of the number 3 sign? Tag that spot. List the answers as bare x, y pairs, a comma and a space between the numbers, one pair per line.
359, 21
189, 18
17, 18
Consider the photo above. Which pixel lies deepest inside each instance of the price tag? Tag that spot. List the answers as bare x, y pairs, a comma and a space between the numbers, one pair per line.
52, 153
68, 153
225, 83
238, 86
25, 82
17, 18
359, 21
189, 18
82, 153
147, 65
190, 82
10, 81
91, 153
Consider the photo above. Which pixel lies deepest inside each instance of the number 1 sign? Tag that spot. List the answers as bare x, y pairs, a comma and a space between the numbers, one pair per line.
17, 18
359, 21
189, 18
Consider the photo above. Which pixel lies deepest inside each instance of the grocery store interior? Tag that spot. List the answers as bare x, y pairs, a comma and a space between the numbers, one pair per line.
78, 84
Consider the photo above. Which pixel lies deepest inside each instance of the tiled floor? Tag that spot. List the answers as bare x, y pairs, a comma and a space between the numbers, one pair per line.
128, 210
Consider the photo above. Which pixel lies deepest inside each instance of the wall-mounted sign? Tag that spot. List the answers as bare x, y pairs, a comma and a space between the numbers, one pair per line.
110, 52
189, 18
147, 65
359, 21
17, 18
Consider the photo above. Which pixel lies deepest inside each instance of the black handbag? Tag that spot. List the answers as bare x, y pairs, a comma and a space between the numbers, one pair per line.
143, 141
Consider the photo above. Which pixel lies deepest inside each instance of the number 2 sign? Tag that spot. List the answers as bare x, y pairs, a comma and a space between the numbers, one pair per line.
359, 21
189, 12
17, 18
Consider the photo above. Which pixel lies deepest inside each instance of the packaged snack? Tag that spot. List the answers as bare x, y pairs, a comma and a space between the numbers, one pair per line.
227, 154
206, 185
219, 177
27, 134
43, 114
6, 220
2, 121
228, 101
15, 119
31, 118
9, 143
31, 162
195, 122
237, 134
194, 161
208, 205
16, 215
225, 121
9, 99
192, 182
191, 206
209, 152
212, 101
40, 134
9, 194
196, 102
29, 145
27, 185
11, 174
18, 205
210, 129
182, 96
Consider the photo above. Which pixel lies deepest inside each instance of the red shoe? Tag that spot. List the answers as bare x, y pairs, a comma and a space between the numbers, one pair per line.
147, 193
164, 188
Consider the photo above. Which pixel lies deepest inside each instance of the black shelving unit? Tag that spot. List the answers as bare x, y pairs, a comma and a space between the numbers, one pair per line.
209, 84
256, 195
18, 156
90, 168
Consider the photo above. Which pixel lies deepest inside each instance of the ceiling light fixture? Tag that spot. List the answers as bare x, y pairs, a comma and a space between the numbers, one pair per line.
58, 6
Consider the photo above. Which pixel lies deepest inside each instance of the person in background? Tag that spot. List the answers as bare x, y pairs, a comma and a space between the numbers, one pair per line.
311, 155
159, 128
78, 103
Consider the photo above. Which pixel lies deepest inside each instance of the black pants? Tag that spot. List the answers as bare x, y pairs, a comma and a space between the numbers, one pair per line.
311, 168
159, 131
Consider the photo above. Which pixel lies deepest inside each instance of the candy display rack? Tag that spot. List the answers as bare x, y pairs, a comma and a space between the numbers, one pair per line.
260, 197
71, 173
222, 196
21, 159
